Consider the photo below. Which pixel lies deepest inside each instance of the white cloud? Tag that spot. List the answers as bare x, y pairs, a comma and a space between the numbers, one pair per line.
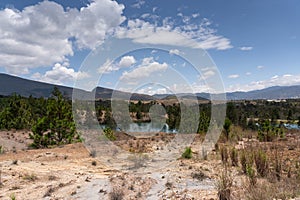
107, 67
207, 73
246, 48
42, 34
248, 73
60, 73
148, 67
260, 67
152, 91
188, 35
233, 76
127, 61
195, 15
283, 80
138, 4
174, 51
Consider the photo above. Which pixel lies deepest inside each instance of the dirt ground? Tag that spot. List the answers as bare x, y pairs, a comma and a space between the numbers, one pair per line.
73, 172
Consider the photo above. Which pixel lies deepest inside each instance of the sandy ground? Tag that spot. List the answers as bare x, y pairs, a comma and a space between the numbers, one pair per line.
74, 172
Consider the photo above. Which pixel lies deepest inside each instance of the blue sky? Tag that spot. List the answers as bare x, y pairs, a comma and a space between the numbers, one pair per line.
254, 44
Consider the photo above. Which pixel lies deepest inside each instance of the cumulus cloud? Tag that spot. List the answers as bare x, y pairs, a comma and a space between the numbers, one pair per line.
246, 48
109, 66
43, 34
283, 80
148, 67
127, 61
187, 34
60, 73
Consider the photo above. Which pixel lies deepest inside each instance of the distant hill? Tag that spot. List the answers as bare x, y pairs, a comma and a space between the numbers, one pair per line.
275, 92
12, 84
24, 87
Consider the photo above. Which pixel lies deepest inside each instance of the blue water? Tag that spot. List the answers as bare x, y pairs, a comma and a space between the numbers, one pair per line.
291, 126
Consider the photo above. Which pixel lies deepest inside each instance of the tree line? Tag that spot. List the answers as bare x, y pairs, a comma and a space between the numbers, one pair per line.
52, 122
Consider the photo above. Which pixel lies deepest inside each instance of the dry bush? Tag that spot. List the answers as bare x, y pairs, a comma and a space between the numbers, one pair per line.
261, 162
116, 194
246, 159
224, 185
224, 155
285, 189
234, 157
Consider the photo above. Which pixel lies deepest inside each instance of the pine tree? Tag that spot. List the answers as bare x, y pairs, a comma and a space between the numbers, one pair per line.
57, 127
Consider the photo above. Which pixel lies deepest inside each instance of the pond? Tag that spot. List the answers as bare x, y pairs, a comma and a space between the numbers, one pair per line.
149, 127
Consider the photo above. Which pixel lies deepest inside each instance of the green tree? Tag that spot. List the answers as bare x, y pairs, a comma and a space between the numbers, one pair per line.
290, 115
16, 114
57, 127
203, 123
267, 132
226, 126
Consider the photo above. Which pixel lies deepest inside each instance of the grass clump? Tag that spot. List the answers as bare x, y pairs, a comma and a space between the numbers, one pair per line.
234, 157
261, 162
224, 185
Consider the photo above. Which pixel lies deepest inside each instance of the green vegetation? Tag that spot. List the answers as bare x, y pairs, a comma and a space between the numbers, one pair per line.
56, 126
109, 134
50, 120
187, 153
227, 125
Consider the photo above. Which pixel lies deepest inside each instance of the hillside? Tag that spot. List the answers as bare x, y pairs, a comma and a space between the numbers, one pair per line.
12, 84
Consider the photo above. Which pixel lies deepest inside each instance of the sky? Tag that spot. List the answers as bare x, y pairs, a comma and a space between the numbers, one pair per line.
246, 45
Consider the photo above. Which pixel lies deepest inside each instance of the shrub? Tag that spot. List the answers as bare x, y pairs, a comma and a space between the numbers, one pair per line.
226, 127
224, 155
234, 157
109, 134
224, 185
278, 164
12, 196
243, 161
251, 174
261, 163
187, 153
116, 194
246, 159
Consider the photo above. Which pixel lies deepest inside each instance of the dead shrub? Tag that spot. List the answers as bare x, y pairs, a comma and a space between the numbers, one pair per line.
224, 185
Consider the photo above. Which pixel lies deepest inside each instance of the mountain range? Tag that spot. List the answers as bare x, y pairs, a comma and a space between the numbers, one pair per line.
12, 84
